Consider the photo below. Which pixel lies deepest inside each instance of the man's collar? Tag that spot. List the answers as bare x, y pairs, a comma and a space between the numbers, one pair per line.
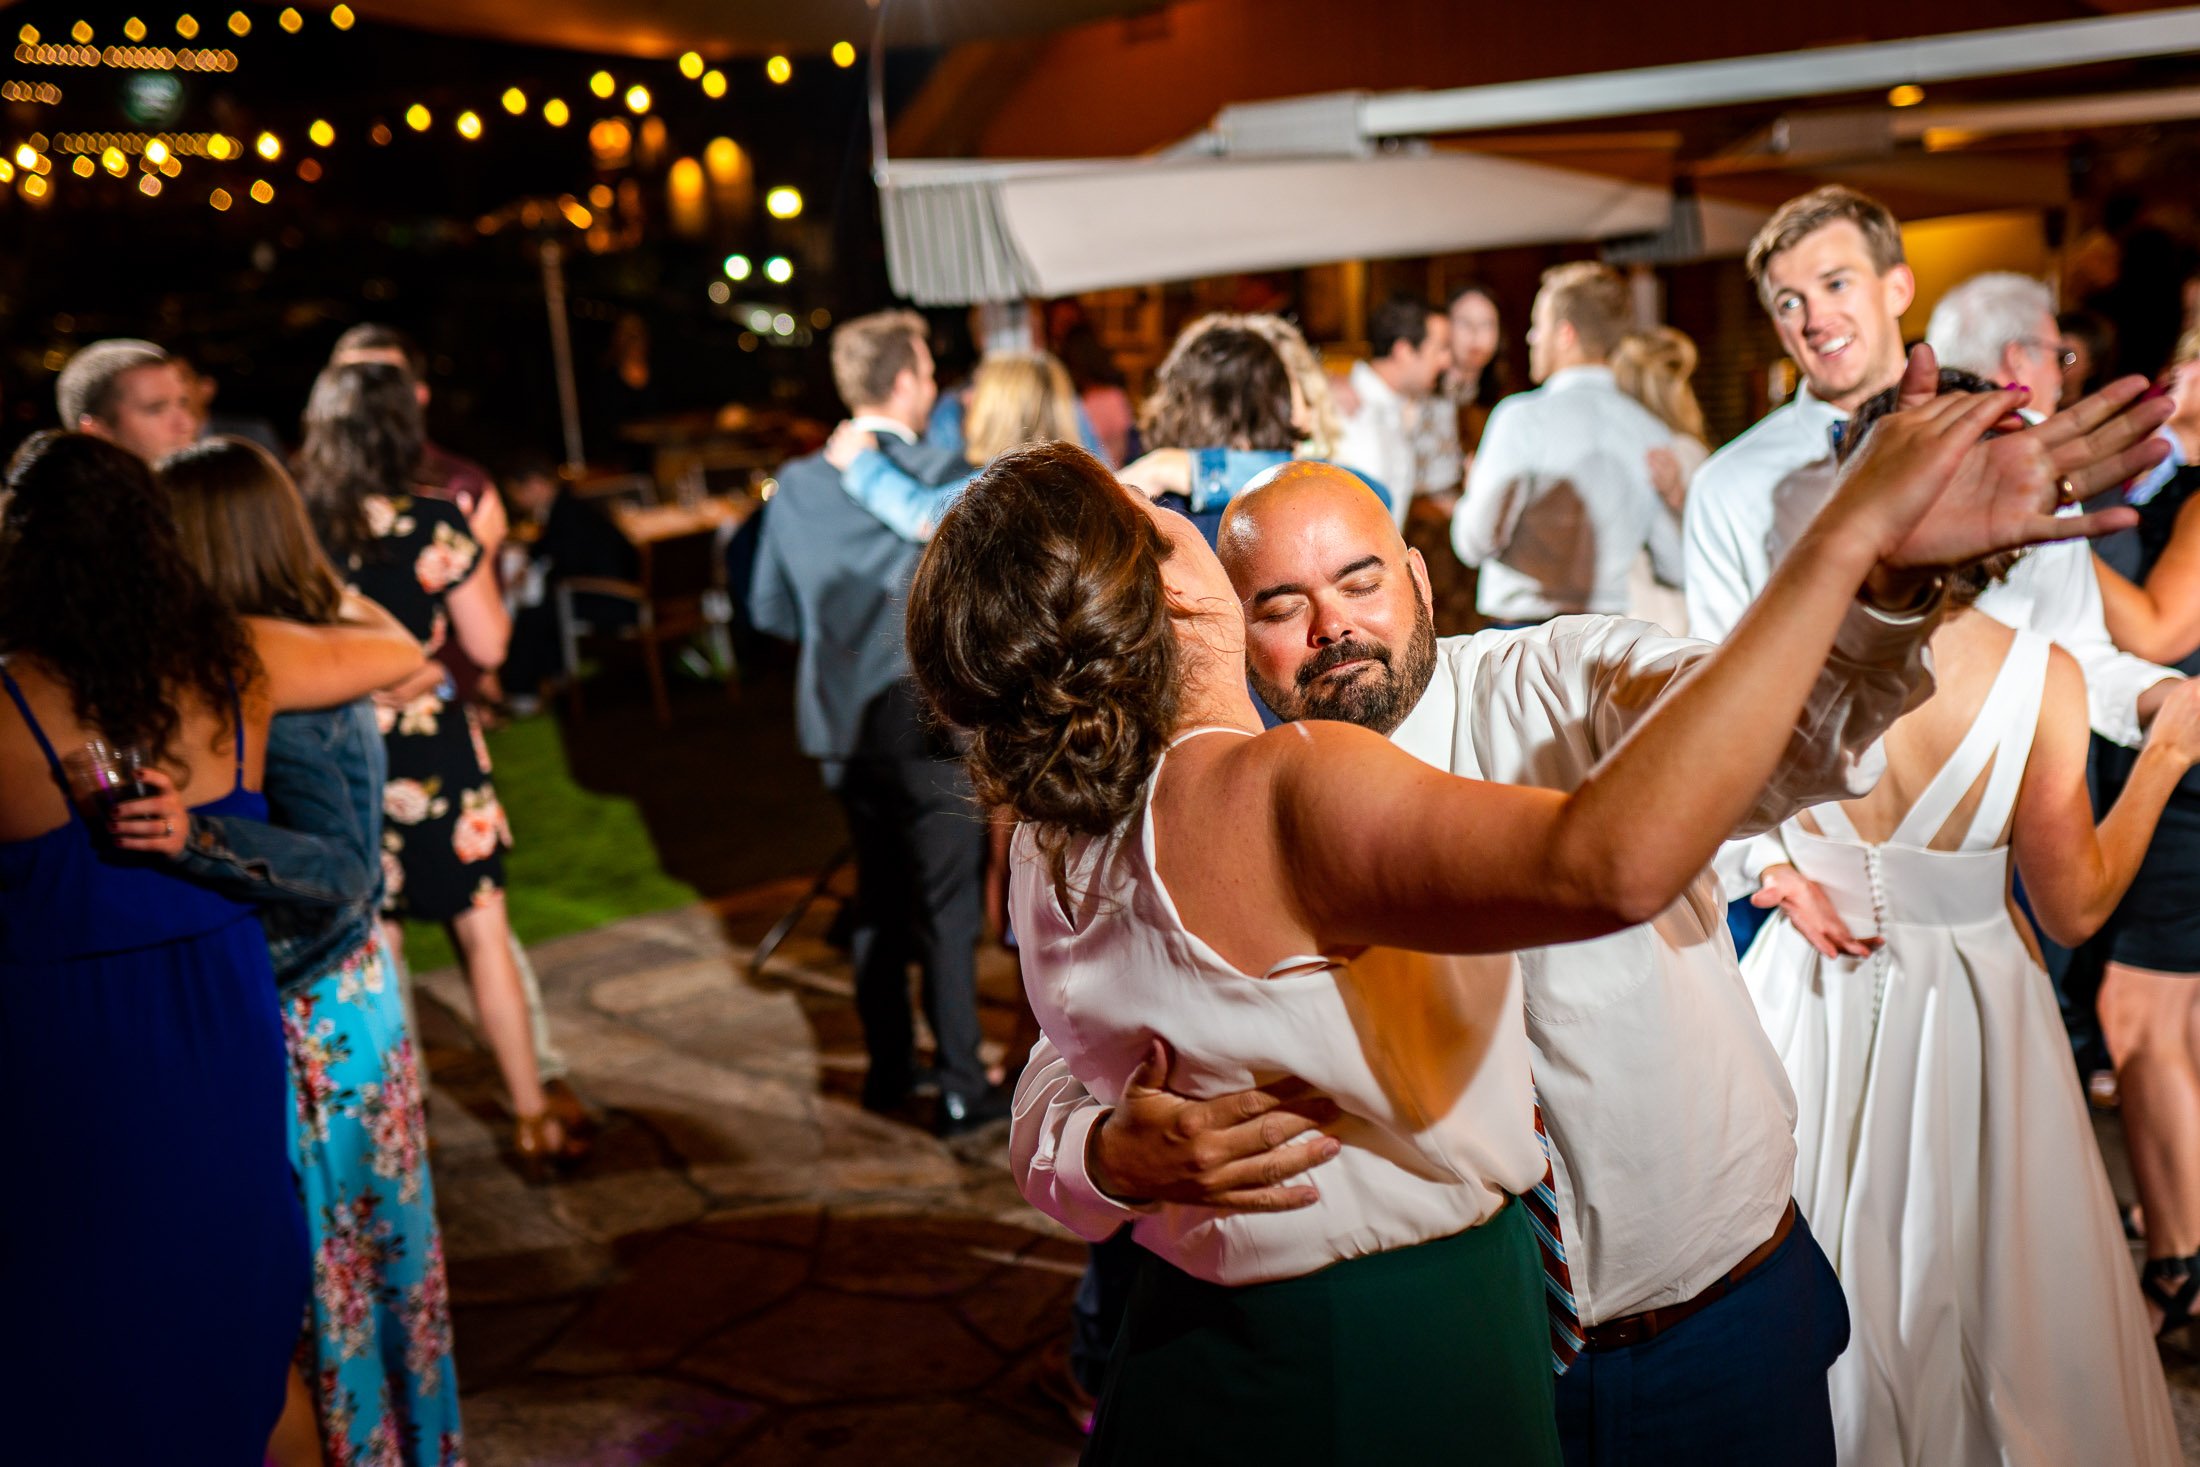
1583, 375
879, 423
1369, 383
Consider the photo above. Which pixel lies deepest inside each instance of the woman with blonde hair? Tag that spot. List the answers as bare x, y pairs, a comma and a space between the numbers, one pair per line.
1016, 398
1654, 367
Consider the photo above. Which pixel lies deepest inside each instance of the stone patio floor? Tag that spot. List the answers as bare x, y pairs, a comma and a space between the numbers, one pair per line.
752, 1269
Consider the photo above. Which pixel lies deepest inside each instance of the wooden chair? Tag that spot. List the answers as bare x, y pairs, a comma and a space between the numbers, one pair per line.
678, 593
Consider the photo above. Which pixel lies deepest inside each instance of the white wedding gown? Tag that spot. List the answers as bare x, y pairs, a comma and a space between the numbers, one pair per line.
1944, 1158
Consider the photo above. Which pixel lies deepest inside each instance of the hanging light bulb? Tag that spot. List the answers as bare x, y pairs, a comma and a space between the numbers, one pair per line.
268, 146
321, 133
556, 113
469, 125
714, 84
419, 118
691, 64
637, 100
844, 55
783, 203
515, 101
602, 84
779, 68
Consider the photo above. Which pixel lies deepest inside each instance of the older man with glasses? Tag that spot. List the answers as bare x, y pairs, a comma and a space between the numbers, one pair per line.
2001, 325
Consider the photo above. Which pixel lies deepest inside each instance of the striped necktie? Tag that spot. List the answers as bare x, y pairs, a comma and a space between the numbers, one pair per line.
1558, 1281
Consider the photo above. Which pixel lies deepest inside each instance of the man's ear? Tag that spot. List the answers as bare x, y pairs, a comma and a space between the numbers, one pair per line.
1901, 289
1418, 569
86, 423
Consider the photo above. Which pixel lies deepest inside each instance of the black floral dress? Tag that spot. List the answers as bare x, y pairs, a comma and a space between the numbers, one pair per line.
444, 833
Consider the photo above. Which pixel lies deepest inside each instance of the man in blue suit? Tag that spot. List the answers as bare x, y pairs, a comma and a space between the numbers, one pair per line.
834, 579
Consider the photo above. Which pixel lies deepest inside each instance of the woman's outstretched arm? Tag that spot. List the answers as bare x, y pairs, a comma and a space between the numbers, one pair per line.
1386, 850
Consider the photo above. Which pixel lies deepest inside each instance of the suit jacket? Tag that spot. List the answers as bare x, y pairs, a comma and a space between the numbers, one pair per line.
834, 579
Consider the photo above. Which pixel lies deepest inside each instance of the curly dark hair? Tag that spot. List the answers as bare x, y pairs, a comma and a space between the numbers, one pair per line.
363, 436
1966, 583
1221, 387
95, 587
1038, 622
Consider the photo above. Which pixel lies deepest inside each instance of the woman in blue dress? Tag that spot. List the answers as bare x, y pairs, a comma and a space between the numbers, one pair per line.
152, 1249
378, 1351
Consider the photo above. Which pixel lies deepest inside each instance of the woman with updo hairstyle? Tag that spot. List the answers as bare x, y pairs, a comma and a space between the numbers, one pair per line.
1944, 1154
153, 1254
1263, 904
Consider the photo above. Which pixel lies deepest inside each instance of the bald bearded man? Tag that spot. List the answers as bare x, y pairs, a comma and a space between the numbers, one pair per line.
1706, 1315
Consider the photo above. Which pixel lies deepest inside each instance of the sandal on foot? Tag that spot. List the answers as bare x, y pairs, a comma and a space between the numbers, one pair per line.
2171, 1285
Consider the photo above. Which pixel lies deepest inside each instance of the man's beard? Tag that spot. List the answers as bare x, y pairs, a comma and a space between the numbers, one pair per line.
1379, 697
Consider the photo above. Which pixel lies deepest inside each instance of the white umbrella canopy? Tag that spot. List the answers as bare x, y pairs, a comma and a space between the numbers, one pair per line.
724, 27
959, 232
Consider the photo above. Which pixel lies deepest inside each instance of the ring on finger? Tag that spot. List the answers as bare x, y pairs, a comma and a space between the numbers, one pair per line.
2067, 492
167, 828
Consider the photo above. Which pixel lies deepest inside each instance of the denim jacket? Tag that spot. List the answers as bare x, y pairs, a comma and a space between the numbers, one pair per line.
316, 872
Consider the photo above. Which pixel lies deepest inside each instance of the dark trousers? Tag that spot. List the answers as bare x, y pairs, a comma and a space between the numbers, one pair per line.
1742, 1384
920, 849
1096, 1313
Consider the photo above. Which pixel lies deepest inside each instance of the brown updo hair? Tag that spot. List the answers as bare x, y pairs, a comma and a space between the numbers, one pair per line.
1038, 623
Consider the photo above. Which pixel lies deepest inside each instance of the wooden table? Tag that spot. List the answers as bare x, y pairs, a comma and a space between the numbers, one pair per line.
649, 524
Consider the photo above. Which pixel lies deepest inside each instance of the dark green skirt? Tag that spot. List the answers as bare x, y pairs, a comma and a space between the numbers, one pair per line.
1438, 1353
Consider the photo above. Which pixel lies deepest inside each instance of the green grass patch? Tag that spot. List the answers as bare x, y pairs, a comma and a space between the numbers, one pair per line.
578, 859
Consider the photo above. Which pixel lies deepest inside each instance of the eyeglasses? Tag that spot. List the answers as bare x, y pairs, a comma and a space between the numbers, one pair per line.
2055, 349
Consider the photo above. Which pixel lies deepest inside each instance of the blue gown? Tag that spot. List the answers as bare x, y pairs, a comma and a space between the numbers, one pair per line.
153, 1261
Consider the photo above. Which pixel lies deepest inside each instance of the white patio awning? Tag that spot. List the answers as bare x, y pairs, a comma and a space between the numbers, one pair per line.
961, 232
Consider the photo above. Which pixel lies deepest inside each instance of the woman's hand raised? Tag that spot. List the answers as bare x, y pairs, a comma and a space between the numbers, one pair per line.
1931, 489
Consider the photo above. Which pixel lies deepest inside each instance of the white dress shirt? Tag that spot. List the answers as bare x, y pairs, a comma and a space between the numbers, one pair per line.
1408, 447
1560, 500
1425, 1057
1753, 496
1670, 1117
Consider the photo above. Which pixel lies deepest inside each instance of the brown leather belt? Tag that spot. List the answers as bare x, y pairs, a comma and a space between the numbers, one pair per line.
1633, 1329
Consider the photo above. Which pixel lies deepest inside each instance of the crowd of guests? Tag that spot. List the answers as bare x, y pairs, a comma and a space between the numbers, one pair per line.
236, 755
1645, 1182
1615, 1013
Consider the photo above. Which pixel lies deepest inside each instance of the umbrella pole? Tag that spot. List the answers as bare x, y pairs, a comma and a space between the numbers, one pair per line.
561, 352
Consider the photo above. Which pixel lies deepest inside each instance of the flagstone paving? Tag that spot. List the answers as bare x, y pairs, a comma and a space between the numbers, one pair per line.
751, 1269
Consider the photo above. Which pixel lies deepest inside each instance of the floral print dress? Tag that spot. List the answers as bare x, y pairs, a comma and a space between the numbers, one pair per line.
377, 1353
444, 833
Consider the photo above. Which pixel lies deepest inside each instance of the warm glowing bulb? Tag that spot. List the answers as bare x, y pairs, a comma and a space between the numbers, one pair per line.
186, 27
515, 101
84, 167
637, 100
27, 156
469, 125
149, 185
171, 166
29, 35
779, 269
1906, 95
33, 187
341, 17
7, 171
81, 32
779, 68
240, 24
720, 293
602, 84
321, 133
309, 170
156, 152
218, 147
220, 199
114, 162
290, 20
576, 214
134, 29
418, 117
268, 146
783, 203
737, 267
556, 113
263, 192
714, 84
844, 55
691, 64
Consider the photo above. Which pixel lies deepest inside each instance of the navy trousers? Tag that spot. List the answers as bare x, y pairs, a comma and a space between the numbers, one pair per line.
1742, 1384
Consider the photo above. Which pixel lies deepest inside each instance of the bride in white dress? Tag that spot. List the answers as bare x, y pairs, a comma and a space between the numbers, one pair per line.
1944, 1155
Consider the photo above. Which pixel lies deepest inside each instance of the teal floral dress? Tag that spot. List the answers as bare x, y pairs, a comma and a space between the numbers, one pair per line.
377, 1353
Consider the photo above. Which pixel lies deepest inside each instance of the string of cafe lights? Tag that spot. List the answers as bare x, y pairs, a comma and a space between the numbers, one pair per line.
159, 154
